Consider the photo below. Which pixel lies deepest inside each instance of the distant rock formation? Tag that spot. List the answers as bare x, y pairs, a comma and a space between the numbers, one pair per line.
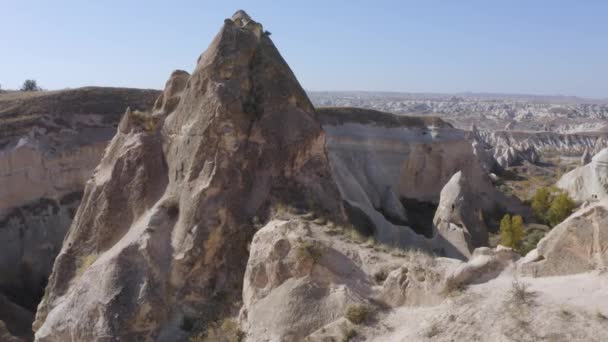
515, 155
513, 147
160, 238
589, 182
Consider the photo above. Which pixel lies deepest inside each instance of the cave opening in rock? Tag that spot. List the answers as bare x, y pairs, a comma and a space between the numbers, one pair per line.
419, 215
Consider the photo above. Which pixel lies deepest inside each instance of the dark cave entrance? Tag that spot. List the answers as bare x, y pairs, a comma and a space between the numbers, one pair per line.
419, 215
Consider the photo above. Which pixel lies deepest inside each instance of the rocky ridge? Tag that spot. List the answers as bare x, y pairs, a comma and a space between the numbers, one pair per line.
489, 111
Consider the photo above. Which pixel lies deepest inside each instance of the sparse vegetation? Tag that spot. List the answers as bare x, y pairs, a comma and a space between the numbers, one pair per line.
226, 331
520, 293
511, 231
310, 250
30, 85
358, 313
145, 120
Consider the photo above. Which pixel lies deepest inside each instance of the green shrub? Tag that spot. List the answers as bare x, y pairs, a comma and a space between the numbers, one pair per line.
358, 313
561, 207
511, 231
551, 206
540, 203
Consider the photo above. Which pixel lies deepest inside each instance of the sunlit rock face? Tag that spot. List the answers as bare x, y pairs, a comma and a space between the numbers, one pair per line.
577, 245
588, 182
50, 142
391, 170
160, 238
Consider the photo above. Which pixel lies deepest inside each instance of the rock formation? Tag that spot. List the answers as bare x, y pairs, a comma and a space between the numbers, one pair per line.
160, 238
458, 221
50, 143
378, 157
589, 182
579, 244
296, 283
514, 147
302, 276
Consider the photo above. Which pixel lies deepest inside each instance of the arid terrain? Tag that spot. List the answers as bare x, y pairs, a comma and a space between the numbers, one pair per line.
235, 206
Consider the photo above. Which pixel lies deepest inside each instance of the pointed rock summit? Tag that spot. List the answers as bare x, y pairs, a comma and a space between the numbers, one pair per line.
159, 242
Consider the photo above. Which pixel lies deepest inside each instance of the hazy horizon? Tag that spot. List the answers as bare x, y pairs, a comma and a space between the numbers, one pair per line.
545, 48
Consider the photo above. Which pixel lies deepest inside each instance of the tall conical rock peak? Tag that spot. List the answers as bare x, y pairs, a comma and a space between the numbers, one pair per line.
160, 239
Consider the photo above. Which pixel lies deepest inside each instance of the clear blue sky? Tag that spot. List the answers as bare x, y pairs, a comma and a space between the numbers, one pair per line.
509, 46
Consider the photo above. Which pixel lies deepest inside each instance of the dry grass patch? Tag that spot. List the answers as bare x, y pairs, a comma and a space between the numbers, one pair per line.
520, 294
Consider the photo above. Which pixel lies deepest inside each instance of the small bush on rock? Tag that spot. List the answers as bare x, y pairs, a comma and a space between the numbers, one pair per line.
520, 293
358, 313
310, 250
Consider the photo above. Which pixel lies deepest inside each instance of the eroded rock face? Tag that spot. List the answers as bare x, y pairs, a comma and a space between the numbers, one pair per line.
379, 157
579, 244
295, 284
528, 146
302, 276
589, 182
50, 142
459, 219
161, 235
